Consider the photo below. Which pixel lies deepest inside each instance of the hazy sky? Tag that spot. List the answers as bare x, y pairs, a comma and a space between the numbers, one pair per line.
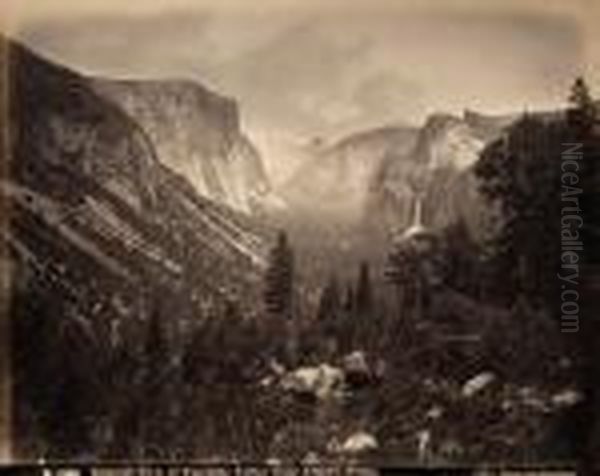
300, 71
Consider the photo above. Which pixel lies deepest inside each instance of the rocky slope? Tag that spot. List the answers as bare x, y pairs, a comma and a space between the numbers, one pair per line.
104, 237
196, 133
76, 154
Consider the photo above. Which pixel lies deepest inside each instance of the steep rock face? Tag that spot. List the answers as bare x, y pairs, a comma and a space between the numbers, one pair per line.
196, 133
438, 170
335, 183
103, 237
60, 129
446, 140
76, 153
371, 179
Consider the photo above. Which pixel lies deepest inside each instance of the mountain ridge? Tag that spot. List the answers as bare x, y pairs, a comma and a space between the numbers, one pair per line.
197, 133
102, 238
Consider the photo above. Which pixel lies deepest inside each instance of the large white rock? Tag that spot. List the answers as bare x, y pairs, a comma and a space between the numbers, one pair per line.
359, 442
323, 381
356, 362
476, 384
566, 398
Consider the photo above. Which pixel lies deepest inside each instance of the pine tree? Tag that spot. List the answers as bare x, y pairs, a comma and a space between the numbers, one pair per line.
279, 278
583, 113
364, 291
155, 397
156, 352
159, 397
460, 259
330, 302
402, 271
584, 121
349, 302
360, 318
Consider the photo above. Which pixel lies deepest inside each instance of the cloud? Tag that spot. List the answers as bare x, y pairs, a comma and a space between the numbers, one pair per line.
125, 46
302, 72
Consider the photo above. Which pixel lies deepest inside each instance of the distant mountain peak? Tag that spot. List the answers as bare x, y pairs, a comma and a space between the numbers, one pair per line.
335, 179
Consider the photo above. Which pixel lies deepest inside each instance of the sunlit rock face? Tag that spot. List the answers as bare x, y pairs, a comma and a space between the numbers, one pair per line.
439, 170
447, 140
197, 133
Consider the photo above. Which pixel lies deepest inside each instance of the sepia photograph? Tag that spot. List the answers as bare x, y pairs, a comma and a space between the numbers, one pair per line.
299, 238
